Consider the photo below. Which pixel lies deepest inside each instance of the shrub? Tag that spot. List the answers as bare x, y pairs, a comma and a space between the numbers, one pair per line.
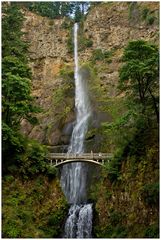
70, 44
113, 167
150, 19
67, 24
67, 73
12, 230
33, 161
115, 217
98, 54
119, 232
150, 193
89, 43
145, 13
152, 231
9, 178
58, 217
51, 171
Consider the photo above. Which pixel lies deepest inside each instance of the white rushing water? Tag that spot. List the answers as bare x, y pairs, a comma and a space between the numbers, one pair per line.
74, 175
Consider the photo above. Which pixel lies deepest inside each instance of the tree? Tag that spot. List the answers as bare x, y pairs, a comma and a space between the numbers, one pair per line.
78, 14
17, 102
55, 10
139, 76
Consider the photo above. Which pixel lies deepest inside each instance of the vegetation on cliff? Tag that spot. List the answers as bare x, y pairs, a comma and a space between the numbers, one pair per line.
131, 178
25, 190
34, 208
16, 84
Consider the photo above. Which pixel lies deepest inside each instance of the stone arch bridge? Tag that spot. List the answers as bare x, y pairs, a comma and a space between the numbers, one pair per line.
59, 159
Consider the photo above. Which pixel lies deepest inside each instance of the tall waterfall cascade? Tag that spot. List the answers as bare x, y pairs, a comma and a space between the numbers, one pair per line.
74, 175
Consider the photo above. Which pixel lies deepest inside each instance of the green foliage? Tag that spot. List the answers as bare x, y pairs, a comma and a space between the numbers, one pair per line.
89, 43
12, 21
51, 9
23, 156
139, 81
112, 168
11, 231
16, 83
56, 10
115, 217
23, 214
51, 171
134, 139
67, 24
148, 16
11, 139
99, 55
152, 231
139, 75
58, 96
115, 229
84, 42
33, 160
67, 73
150, 19
145, 12
78, 14
65, 91
70, 44
150, 194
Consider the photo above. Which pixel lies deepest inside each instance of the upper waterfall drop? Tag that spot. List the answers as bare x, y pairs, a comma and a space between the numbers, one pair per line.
82, 104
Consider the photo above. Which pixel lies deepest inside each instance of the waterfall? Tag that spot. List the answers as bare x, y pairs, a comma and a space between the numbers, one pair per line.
74, 175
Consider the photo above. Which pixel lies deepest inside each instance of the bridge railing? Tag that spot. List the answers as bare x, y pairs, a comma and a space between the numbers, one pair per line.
78, 156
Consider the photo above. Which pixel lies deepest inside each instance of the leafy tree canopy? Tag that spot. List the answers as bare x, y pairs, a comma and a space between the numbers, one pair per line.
139, 76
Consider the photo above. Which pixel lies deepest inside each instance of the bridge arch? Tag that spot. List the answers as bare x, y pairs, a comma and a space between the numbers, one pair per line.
60, 163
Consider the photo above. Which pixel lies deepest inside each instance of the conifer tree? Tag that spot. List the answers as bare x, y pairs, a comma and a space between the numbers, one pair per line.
17, 102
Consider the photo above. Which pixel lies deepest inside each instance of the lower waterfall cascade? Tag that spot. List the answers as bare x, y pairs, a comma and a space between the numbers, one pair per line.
74, 175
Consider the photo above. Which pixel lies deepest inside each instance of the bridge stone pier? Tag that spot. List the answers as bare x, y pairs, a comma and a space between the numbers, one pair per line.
58, 159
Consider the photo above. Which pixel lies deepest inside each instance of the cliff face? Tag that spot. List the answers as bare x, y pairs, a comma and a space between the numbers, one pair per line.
108, 27
47, 53
111, 26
